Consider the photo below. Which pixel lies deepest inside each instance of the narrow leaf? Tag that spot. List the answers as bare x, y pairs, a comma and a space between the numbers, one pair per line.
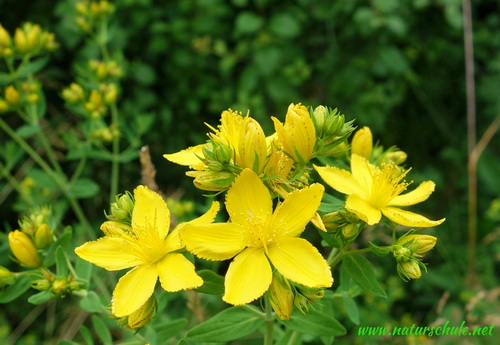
361, 271
315, 323
11, 292
41, 297
61, 263
230, 324
102, 330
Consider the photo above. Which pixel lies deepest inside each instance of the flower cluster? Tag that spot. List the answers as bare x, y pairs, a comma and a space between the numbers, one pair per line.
272, 192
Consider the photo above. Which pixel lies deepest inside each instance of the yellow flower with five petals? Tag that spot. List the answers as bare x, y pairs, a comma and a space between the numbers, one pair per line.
149, 248
260, 239
373, 192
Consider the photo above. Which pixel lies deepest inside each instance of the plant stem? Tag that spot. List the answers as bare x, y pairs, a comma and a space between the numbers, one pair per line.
59, 179
293, 337
269, 321
334, 260
115, 164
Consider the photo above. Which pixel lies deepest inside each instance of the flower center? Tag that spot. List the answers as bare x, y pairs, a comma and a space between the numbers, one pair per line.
386, 184
258, 234
149, 245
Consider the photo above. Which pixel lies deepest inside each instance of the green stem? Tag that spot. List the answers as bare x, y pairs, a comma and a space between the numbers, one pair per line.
269, 321
59, 179
15, 184
48, 149
334, 260
293, 338
115, 163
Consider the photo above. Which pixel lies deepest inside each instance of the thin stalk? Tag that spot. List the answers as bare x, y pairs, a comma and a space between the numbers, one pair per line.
59, 179
340, 255
15, 184
269, 321
115, 163
48, 149
293, 338
471, 140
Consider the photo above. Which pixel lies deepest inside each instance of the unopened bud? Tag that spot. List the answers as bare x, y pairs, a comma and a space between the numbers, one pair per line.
43, 236
142, 315
6, 277
211, 181
41, 284
419, 244
409, 270
281, 297
12, 95
23, 249
362, 143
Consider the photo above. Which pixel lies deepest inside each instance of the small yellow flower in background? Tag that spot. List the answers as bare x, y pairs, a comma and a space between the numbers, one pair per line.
373, 192
297, 135
362, 142
12, 95
257, 237
24, 249
149, 248
5, 43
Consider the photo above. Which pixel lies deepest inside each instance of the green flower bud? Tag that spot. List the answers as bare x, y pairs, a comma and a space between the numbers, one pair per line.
418, 244
409, 270
60, 286
43, 236
6, 277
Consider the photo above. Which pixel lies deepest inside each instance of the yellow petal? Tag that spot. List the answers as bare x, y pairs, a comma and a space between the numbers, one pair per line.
248, 277
188, 157
109, 253
247, 199
252, 146
419, 194
218, 241
298, 208
177, 273
174, 242
150, 212
361, 171
339, 179
299, 261
133, 290
407, 218
363, 209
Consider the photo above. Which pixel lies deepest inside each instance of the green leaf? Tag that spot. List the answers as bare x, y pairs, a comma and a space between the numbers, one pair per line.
27, 131
5, 79
86, 335
102, 330
33, 67
61, 262
213, 284
315, 323
83, 269
351, 307
63, 241
43, 179
41, 297
361, 271
84, 188
166, 330
248, 23
11, 292
284, 25
91, 303
230, 324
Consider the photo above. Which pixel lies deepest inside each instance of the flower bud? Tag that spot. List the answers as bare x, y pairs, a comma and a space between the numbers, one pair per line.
319, 118
395, 157
41, 284
5, 43
362, 143
281, 297
6, 277
4, 106
252, 147
60, 286
43, 236
23, 248
211, 181
419, 244
73, 94
401, 253
409, 270
142, 315
20, 41
12, 95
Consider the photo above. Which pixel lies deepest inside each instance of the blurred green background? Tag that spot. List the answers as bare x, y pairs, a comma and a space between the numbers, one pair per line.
395, 66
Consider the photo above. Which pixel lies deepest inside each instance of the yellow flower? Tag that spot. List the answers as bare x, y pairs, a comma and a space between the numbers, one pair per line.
149, 248
374, 191
258, 237
23, 248
297, 135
